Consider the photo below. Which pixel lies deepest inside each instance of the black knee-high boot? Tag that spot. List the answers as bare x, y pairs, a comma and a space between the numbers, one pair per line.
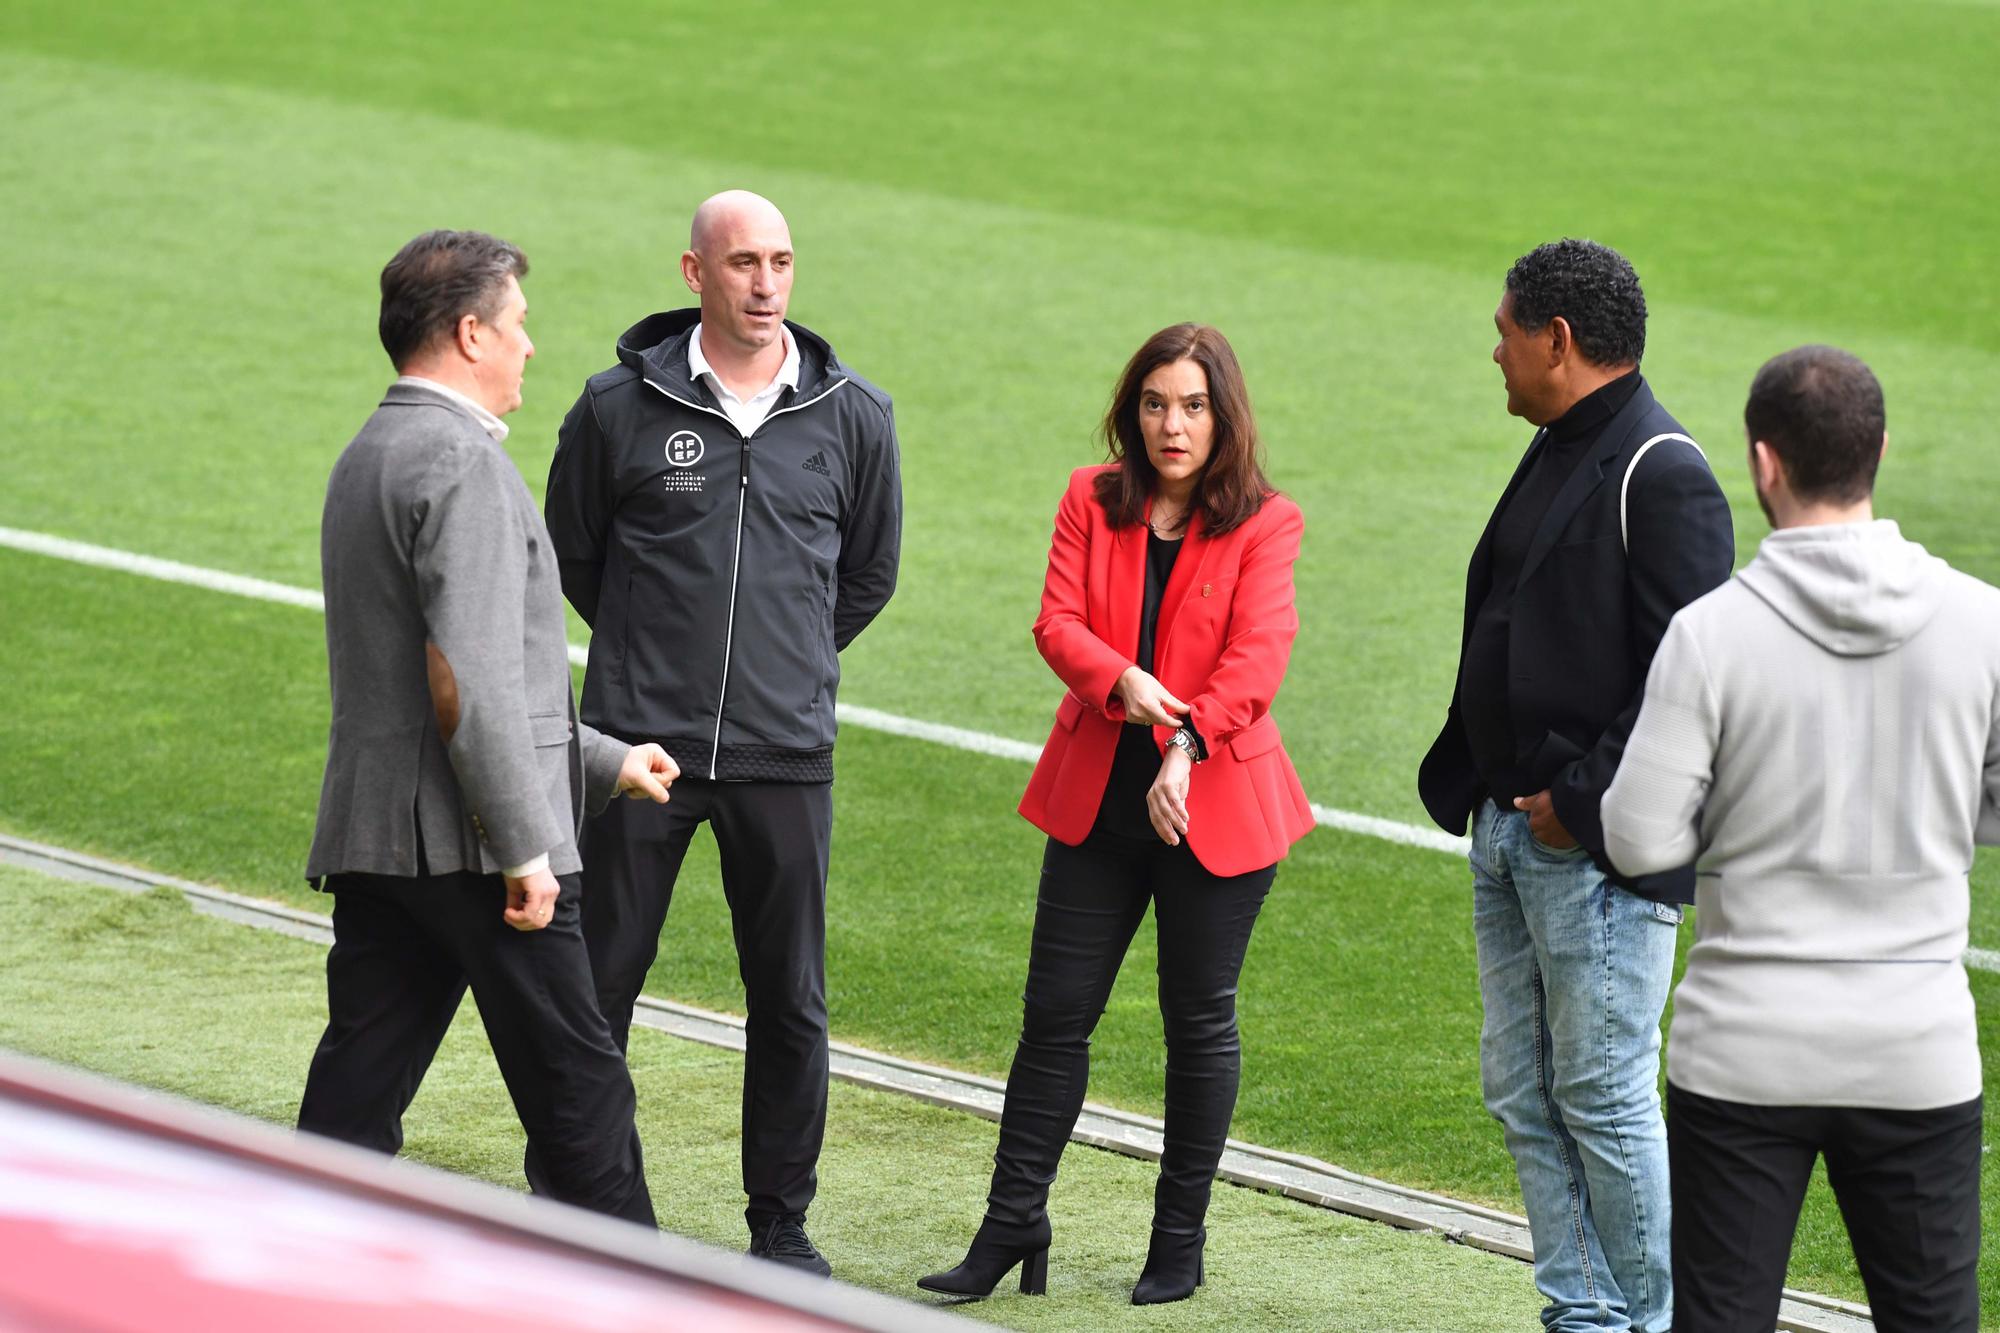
1204, 1063
1045, 1090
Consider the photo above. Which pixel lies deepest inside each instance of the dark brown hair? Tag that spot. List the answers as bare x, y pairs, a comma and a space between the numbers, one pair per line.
1232, 487
1821, 409
438, 279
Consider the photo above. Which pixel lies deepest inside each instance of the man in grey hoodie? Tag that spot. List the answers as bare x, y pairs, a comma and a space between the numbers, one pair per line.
1822, 734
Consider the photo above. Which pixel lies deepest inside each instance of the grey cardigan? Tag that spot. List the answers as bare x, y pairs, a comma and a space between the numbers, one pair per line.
430, 537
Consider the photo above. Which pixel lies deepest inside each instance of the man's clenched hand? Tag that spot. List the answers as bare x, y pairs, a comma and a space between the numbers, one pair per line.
647, 772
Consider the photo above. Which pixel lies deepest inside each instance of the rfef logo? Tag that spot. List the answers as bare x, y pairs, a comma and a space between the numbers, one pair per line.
684, 448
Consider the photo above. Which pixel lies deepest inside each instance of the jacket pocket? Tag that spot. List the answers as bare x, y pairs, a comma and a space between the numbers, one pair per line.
548, 729
1260, 737
617, 633
823, 604
672, 629
1068, 711
782, 670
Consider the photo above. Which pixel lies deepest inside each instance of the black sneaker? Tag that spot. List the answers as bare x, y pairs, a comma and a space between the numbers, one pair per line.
783, 1240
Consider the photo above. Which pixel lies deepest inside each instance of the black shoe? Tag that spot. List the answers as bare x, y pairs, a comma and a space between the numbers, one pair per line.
995, 1250
1173, 1268
783, 1240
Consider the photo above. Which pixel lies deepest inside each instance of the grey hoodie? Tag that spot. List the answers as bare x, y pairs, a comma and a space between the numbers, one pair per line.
1822, 736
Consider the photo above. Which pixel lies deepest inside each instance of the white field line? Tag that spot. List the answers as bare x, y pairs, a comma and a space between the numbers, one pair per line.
979, 742
169, 571
857, 715
870, 719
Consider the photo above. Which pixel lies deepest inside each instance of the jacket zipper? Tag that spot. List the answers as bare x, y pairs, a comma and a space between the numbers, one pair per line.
736, 558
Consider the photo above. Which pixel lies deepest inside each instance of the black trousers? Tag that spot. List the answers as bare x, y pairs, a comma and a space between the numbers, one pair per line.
1091, 902
1908, 1187
774, 839
404, 952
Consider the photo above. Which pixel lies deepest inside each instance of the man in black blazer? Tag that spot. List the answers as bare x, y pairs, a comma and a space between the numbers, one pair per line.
1611, 523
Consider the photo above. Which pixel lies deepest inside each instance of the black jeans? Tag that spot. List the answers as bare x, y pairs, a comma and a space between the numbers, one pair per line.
1092, 899
404, 952
1908, 1187
774, 839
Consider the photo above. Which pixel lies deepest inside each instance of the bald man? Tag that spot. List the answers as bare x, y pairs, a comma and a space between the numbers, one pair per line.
726, 508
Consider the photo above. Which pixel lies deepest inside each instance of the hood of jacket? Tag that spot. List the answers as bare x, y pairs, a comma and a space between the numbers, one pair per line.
656, 347
1855, 589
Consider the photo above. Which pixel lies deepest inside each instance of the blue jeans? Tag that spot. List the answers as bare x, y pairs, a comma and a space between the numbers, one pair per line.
1573, 973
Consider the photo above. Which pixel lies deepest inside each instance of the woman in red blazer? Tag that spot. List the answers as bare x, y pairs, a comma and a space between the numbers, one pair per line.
1168, 612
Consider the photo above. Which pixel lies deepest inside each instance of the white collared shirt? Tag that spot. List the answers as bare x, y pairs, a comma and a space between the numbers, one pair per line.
489, 423
748, 414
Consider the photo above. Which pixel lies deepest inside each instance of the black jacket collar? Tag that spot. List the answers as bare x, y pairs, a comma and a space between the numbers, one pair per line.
657, 345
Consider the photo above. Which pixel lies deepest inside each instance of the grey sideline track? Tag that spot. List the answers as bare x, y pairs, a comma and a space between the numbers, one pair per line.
1304, 1178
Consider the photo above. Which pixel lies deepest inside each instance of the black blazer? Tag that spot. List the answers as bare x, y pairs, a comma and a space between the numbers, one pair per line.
1588, 615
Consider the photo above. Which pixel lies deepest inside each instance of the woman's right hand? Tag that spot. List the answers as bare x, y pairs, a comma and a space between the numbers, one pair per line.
1146, 700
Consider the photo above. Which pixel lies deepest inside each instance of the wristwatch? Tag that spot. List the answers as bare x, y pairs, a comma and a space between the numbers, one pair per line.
1184, 741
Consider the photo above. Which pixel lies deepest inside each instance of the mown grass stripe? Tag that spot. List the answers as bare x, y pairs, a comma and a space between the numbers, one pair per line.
1291, 1175
859, 715
126, 985
873, 719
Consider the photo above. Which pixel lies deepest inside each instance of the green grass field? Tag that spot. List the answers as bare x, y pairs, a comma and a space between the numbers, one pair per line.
126, 986
991, 210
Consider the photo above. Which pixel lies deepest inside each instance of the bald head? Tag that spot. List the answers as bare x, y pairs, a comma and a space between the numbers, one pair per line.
739, 262
731, 212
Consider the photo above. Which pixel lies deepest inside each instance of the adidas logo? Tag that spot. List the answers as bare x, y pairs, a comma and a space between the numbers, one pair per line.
817, 463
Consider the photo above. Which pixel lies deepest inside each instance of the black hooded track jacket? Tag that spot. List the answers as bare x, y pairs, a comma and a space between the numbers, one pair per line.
720, 575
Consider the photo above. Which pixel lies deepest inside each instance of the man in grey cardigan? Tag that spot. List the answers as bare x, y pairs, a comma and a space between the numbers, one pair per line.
1823, 734
456, 773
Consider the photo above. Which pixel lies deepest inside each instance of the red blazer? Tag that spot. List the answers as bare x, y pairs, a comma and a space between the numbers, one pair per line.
1227, 621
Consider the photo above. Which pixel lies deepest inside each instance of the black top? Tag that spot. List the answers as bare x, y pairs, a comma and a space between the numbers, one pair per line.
1485, 697
1137, 762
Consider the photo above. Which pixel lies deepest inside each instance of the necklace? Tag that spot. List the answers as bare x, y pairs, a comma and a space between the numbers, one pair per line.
1167, 527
